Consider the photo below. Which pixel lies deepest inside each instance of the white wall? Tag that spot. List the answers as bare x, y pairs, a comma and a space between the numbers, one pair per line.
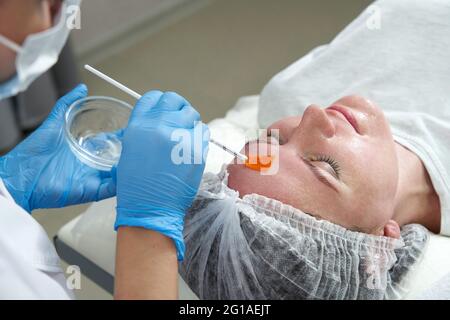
104, 20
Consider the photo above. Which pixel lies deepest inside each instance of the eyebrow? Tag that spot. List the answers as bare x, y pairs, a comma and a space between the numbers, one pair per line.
319, 176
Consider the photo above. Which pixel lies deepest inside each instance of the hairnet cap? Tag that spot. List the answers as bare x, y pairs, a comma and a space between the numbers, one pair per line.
260, 248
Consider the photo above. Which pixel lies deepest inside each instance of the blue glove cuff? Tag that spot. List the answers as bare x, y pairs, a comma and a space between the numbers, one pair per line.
158, 222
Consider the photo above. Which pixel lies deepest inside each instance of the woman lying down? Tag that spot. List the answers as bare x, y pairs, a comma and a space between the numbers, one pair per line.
248, 234
358, 183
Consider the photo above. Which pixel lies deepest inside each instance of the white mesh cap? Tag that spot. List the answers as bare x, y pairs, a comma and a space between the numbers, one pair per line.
260, 248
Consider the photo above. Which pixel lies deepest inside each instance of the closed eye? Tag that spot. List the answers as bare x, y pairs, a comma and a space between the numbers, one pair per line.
334, 168
318, 173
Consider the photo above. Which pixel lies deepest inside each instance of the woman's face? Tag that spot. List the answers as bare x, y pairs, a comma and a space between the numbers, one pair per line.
338, 164
18, 19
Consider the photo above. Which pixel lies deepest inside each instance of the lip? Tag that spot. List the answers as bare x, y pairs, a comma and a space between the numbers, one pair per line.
348, 115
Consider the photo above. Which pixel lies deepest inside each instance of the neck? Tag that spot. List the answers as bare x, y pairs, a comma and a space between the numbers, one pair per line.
416, 199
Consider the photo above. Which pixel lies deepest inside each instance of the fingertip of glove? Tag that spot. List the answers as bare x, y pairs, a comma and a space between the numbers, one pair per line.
148, 101
63, 103
79, 92
151, 96
82, 88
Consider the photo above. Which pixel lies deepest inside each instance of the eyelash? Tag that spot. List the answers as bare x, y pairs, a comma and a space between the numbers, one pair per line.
333, 163
320, 158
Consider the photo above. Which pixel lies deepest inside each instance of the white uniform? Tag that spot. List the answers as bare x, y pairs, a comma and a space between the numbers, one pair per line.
29, 265
396, 54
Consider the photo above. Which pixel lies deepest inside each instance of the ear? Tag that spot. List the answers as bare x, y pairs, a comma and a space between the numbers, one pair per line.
392, 229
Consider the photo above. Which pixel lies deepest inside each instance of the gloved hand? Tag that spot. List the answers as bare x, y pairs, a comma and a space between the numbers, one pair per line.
42, 172
153, 191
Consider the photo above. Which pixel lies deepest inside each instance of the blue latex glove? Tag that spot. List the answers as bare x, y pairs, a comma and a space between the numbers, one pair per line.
42, 172
152, 191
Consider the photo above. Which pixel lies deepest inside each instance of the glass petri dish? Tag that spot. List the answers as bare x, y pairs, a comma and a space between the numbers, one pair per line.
94, 128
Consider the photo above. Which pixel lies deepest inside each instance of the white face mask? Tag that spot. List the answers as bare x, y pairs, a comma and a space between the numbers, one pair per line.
39, 52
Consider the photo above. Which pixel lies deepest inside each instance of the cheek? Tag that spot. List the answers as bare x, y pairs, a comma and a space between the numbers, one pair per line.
379, 127
33, 20
369, 161
247, 181
8, 65
239, 179
39, 23
385, 163
374, 179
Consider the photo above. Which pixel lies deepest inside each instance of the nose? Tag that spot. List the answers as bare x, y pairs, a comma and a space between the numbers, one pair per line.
316, 122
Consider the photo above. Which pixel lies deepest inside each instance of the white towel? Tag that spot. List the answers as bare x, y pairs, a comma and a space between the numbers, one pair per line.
438, 291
